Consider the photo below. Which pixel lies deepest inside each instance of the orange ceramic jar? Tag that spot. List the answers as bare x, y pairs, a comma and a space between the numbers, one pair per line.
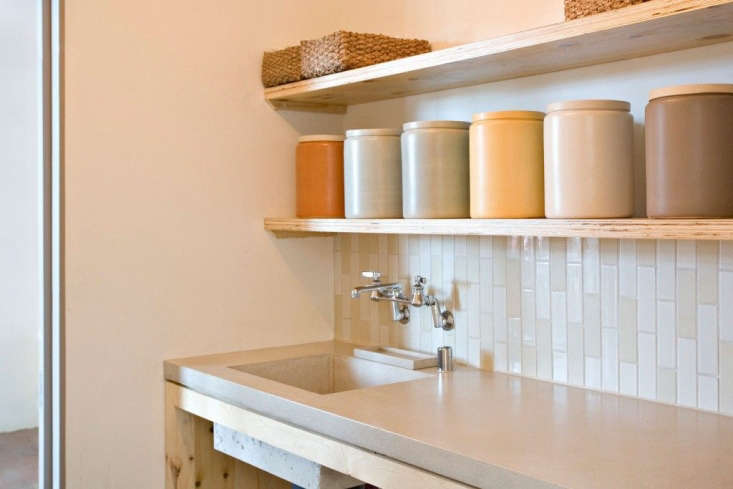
319, 176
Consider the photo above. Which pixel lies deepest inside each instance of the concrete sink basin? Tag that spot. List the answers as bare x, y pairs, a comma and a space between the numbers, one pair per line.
329, 373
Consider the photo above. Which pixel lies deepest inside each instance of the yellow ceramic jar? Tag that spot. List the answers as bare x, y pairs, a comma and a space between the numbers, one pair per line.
507, 168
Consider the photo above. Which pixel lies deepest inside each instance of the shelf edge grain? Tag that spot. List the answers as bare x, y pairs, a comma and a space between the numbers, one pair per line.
639, 30
632, 228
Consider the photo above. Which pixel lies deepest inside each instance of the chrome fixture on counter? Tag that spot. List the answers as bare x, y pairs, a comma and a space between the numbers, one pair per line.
445, 359
392, 292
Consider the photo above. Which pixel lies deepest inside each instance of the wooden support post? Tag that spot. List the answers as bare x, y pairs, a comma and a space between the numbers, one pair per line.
192, 463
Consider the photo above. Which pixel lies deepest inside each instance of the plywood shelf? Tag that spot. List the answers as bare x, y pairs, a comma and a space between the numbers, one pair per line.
648, 28
707, 229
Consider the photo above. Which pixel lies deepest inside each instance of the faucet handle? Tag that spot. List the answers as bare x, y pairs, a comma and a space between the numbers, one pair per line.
419, 281
375, 276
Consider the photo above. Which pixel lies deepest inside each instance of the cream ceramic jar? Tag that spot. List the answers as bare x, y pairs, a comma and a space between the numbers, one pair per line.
373, 173
507, 165
435, 169
589, 159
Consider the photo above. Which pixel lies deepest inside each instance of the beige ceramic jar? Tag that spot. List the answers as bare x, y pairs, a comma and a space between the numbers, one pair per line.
589, 159
507, 165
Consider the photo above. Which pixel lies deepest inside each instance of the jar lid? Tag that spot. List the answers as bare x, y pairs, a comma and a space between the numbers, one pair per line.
589, 105
353, 133
320, 137
509, 114
691, 90
435, 125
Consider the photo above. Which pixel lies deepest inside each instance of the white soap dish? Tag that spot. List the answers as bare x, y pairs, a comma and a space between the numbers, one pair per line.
399, 358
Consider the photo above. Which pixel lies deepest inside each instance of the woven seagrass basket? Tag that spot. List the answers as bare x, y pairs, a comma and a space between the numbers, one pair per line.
344, 50
574, 9
282, 66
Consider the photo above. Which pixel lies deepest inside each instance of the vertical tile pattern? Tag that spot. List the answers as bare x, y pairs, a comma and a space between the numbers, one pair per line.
651, 319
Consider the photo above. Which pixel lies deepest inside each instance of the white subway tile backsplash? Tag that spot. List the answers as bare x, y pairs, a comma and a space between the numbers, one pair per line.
627, 379
667, 385
686, 303
707, 272
609, 296
529, 361
666, 261
559, 322
576, 358
627, 268
646, 299
609, 348
574, 250
500, 361
627, 330
592, 324
726, 255
707, 393
609, 251
646, 252
647, 366
686, 372
707, 339
644, 318
560, 366
544, 349
686, 254
666, 335
542, 294
500, 326
557, 264
726, 305
593, 373
528, 317
575, 292
591, 266
725, 389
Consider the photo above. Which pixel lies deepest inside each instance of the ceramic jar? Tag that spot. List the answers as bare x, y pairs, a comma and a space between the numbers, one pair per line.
435, 169
689, 151
507, 165
589, 169
319, 176
373, 173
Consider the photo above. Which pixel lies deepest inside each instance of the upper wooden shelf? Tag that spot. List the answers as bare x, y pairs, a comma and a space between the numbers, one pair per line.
648, 28
636, 228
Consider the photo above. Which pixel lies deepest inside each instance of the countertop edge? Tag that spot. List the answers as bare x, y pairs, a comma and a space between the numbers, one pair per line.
392, 445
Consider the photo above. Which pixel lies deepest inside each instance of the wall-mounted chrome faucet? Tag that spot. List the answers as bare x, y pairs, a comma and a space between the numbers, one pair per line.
392, 292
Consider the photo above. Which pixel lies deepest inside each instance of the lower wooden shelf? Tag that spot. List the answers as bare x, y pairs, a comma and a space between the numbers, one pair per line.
633, 228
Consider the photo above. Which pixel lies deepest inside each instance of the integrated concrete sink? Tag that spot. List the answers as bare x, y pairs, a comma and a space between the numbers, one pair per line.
329, 373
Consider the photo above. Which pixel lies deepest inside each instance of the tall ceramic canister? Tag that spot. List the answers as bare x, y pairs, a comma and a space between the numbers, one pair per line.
507, 165
689, 151
373, 173
589, 171
435, 169
319, 176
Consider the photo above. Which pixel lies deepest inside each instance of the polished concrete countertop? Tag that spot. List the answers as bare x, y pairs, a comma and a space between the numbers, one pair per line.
488, 429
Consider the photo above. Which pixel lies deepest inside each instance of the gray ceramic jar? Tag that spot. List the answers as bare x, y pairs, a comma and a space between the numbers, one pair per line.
435, 170
372, 174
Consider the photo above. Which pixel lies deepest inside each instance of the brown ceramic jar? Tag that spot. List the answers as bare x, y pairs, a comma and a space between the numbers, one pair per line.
689, 151
319, 176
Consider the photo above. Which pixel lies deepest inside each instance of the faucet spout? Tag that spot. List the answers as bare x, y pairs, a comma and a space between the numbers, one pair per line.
380, 287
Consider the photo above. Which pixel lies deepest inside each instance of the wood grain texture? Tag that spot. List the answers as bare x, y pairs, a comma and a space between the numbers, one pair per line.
192, 463
704, 229
641, 30
361, 464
